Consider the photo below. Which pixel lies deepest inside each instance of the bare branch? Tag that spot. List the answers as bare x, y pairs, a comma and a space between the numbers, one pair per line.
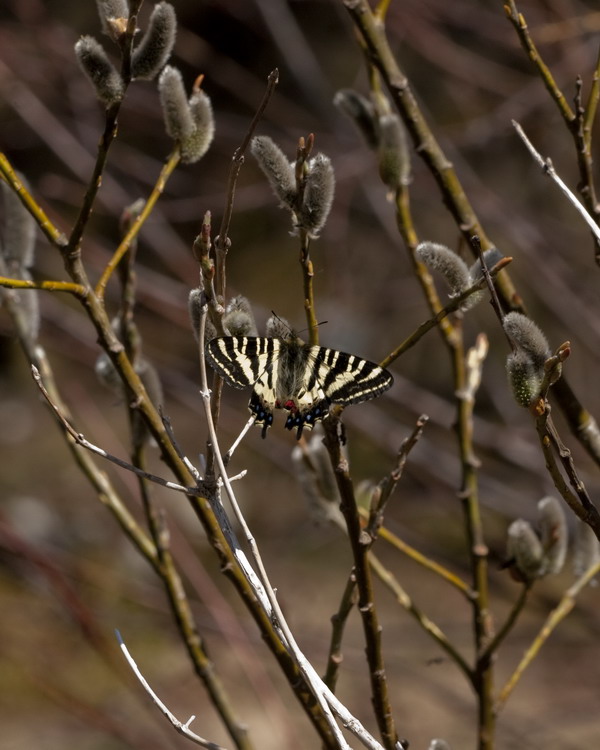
183, 729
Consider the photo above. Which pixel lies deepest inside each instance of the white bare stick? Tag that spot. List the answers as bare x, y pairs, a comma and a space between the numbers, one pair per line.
548, 167
238, 440
80, 440
183, 729
323, 695
189, 465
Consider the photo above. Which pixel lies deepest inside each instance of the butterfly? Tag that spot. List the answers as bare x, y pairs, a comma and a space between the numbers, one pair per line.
286, 373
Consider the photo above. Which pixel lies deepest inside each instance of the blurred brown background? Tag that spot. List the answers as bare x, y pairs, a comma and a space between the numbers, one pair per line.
63, 685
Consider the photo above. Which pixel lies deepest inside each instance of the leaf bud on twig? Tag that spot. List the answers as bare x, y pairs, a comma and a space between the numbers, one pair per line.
157, 43
318, 195
276, 167
238, 319
524, 550
361, 111
103, 75
554, 534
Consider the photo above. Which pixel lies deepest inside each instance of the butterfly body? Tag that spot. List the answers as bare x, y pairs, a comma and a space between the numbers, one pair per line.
288, 374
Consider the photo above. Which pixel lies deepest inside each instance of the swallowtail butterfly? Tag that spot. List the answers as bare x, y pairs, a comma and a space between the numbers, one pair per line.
286, 373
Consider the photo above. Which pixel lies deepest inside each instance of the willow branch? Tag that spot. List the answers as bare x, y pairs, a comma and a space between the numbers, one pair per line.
50, 286
126, 242
54, 234
557, 615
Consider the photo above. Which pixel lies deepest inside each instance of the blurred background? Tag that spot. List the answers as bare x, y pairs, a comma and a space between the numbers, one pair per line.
68, 577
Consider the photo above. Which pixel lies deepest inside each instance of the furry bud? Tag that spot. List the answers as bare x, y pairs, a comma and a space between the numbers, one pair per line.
394, 159
157, 43
490, 257
316, 479
112, 14
198, 141
438, 744
554, 534
524, 333
173, 99
440, 258
525, 549
18, 231
196, 301
105, 78
361, 111
524, 376
276, 168
318, 195
586, 549
278, 328
238, 319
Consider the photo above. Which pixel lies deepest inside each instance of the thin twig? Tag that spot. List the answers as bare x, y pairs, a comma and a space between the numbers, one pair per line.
49, 286
54, 234
548, 169
451, 307
80, 440
183, 729
555, 617
125, 244
338, 623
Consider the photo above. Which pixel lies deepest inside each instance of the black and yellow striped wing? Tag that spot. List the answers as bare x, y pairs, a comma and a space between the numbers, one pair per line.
288, 374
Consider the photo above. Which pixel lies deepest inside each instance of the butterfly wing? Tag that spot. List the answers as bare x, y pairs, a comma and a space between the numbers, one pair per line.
348, 379
334, 377
244, 361
321, 377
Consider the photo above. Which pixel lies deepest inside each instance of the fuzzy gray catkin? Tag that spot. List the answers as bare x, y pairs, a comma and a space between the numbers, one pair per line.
156, 46
276, 167
490, 257
524, 376
361, 111
528, 337
198, 141
553, 534
110, 11
103, 75
18, 230
318, 195
586, 548
525, 549
238, 319
440, 258
173, 98
393, 156
278, 328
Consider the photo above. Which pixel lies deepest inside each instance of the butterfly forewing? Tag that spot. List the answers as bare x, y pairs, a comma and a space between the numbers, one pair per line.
241, 360
346, 378
288, 374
